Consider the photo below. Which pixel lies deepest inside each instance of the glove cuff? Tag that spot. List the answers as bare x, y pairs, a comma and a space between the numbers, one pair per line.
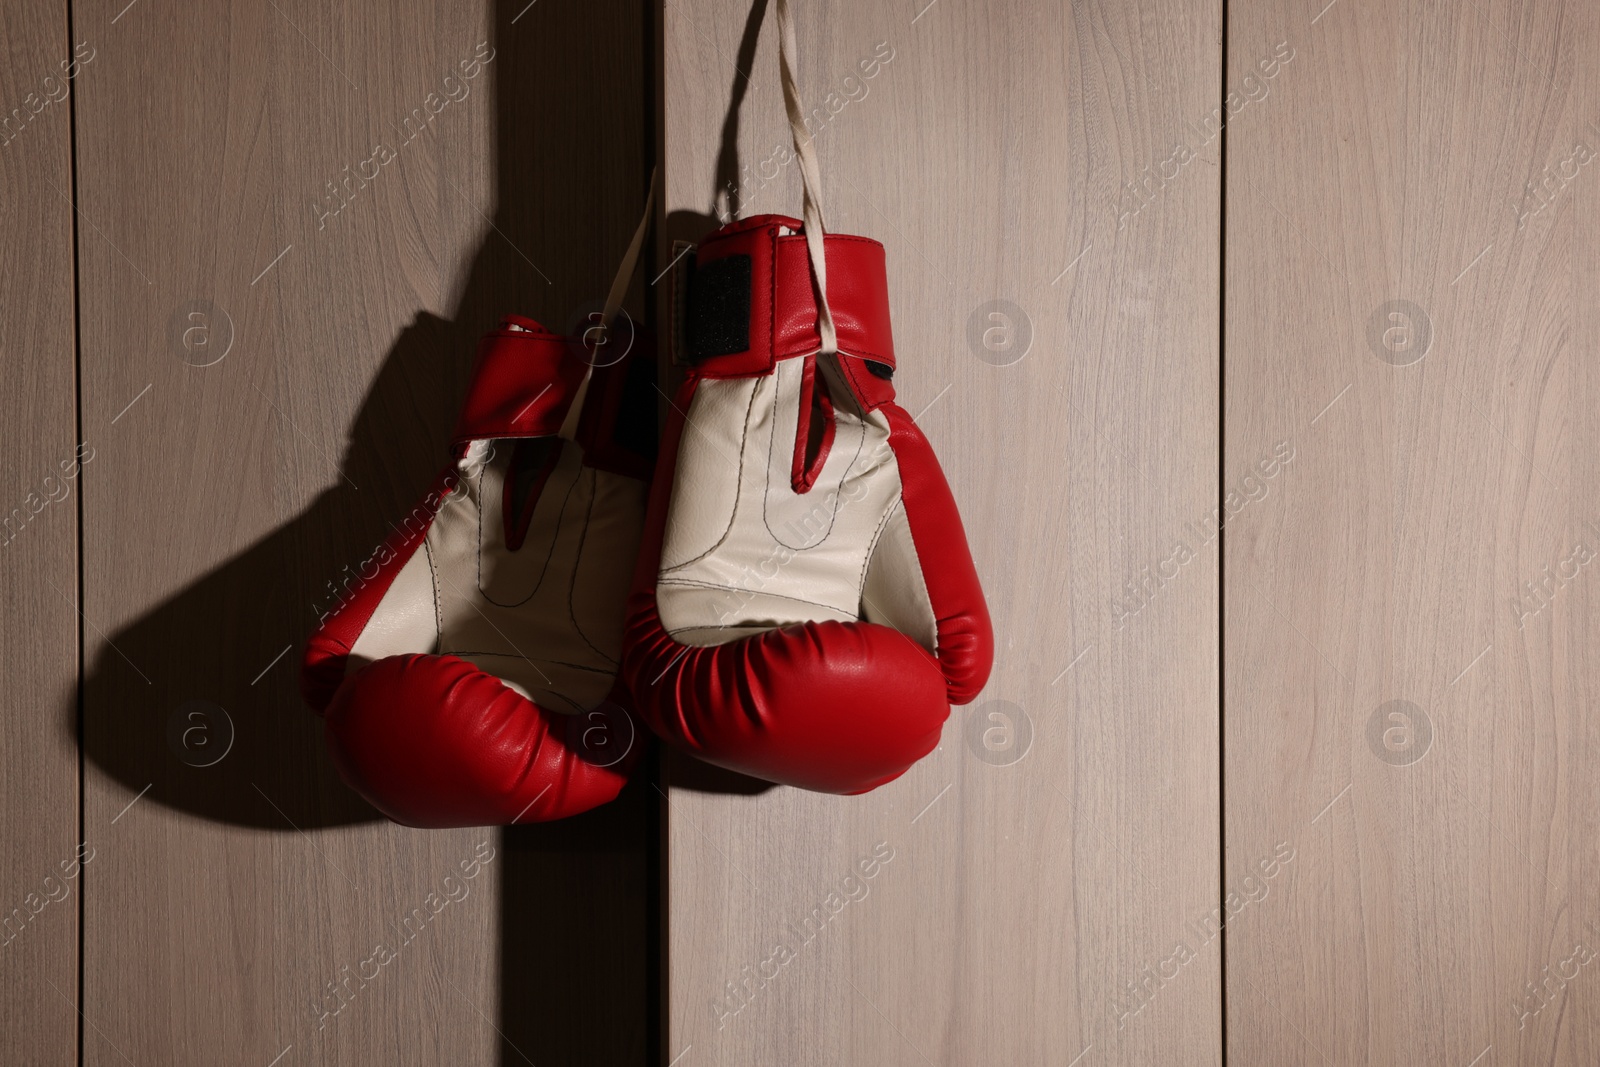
522, 385
751, 302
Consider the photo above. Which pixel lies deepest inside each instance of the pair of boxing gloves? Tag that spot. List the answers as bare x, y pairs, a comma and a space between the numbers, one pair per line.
802, 605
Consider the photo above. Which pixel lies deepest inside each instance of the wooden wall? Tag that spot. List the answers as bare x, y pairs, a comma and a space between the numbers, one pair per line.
39, 593
273, 345
1065, 833
1321, 275
1410, 301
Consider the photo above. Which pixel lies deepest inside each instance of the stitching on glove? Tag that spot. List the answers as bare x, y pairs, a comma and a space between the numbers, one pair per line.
740, 589
877, 535
577, 564
744, 437
460, 654
544, 568
833, 514
438, 601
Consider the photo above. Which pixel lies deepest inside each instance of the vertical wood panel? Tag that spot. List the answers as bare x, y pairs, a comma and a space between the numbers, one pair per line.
1443, 458
233, 172
1034, 883
39, 860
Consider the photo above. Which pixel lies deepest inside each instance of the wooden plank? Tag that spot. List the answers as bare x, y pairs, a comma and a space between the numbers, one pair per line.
41, 886
1024, 890
1417, 320
278, 322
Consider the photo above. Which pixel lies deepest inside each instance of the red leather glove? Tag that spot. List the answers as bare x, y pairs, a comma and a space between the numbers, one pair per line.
806, 608
471, 680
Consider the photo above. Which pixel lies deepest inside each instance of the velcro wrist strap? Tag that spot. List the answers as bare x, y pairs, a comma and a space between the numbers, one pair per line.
751, 300
522, 384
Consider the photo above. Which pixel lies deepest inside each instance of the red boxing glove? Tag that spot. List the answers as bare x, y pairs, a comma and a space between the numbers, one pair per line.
472, 680
806, 608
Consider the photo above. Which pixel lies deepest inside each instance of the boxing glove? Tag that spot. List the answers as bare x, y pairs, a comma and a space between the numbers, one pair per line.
468, 675
806, 608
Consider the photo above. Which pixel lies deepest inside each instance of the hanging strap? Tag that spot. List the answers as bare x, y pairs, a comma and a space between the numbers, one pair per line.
599, 333
810, 179
630, 262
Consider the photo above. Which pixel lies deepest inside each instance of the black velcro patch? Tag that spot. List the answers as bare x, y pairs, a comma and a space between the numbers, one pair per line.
719, 308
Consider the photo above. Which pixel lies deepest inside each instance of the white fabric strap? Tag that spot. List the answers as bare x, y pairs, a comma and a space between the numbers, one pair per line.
597, 334
810, 179
630, 262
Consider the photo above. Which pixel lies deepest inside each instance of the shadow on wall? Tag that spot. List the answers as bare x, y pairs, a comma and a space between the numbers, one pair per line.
573, 124
223, 641
557, 80
580, 911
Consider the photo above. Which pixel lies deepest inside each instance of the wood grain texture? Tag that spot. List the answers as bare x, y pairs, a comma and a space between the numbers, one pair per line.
39, 868
1054, 850
1402, 181
1443, 458
346, 196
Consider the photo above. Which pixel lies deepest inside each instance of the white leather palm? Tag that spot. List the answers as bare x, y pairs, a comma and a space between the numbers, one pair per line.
744, 552
546, 619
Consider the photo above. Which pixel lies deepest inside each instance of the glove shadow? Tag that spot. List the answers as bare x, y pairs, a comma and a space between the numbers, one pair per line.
198, 698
